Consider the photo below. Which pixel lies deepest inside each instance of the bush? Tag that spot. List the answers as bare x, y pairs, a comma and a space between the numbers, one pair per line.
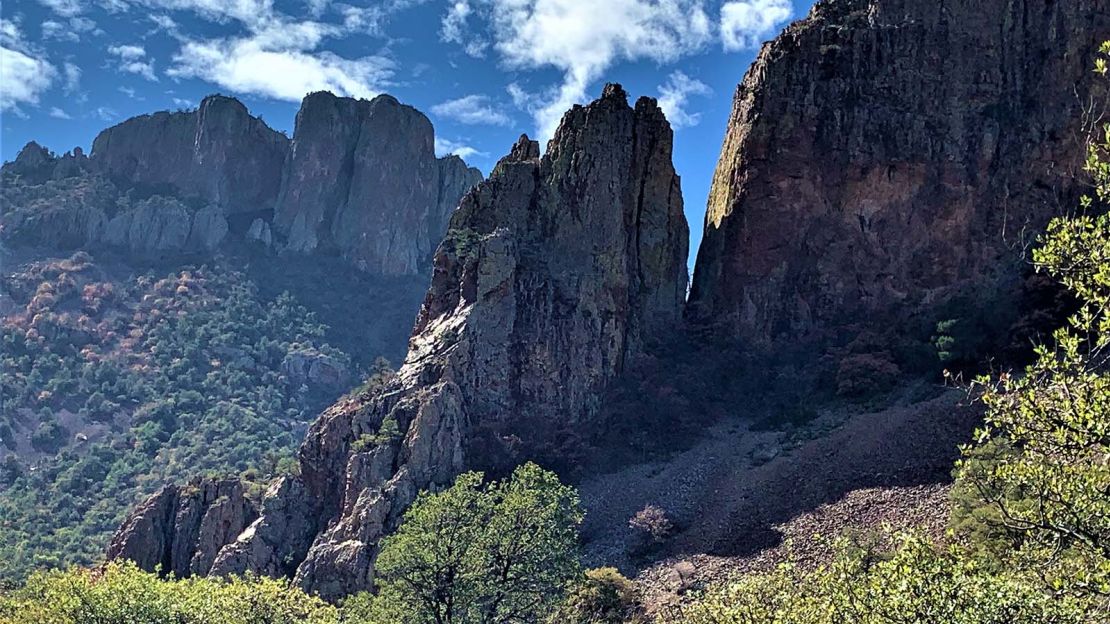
603, 596
651, 526
121, 593
866, 374
916, 583
49, 436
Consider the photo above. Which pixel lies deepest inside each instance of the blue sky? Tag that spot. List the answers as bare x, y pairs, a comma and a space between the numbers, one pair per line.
484, 70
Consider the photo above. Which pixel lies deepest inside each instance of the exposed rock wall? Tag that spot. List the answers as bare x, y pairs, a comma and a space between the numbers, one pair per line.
884, 154
360, 179
363, 180
181, 527
219, 153
552, 274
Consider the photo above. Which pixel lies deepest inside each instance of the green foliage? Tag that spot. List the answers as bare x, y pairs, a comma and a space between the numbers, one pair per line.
603, 596
917, 583
481, 553
1041, 464
120, 593
389, 432
170, 377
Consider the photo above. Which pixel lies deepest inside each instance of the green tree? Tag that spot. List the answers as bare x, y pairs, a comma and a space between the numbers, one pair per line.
1041, 462
488, 553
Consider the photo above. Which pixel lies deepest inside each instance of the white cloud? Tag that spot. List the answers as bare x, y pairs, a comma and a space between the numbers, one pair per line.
745, 24
106, 114
70, 30
183, 103
133, 61
52, 29
280, 66
128, 91
65, 8
673, 97
473, 110
127, 52
453, 29
26, 75
584, 39
445, 147
58, 113
72, 78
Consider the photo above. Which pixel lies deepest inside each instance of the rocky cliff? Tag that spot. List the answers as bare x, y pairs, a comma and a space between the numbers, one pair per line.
219, 153
552, 274
363, 180
359, 179
885, 155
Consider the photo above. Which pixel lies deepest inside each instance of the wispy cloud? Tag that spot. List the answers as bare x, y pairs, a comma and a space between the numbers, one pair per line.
252, 65
473, 110
27, 74
64, 8
580, 39
58, 113
674, 96
745, 24
133, 60
70, 30
445, 147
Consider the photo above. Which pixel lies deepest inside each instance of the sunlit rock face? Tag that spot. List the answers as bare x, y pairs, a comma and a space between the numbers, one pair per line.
883, 155
362, 180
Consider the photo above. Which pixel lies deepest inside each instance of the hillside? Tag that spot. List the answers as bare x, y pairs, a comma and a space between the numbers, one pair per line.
883, 397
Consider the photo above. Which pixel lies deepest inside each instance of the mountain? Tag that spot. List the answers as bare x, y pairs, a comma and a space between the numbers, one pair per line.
886, 164
158, 317
359, 180
552, 274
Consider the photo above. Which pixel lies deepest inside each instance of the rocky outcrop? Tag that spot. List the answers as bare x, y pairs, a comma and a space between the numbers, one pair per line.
219, 153
35, 164
360, 179
180, 528
553, 273
883, 155
162, 224
363, 181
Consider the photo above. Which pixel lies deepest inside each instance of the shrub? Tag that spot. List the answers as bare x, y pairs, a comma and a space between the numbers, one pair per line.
651, 526
603, 596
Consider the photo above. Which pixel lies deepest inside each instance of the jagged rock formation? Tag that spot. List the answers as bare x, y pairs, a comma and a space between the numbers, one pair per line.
883, 155
360, 179
553, 273
180, 526
219, 153
363, 180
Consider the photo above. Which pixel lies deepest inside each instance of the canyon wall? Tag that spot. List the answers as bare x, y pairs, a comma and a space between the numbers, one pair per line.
884, 155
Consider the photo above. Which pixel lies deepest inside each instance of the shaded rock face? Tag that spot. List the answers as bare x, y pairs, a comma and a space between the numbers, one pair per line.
360, 179
884, 154
181, 528
363, 181
88, 211
219, 153
552, 274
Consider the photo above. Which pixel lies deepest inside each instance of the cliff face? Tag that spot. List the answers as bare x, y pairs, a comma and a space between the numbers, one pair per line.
883, 155
363, 180
219, 153
552, 273
360, 179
